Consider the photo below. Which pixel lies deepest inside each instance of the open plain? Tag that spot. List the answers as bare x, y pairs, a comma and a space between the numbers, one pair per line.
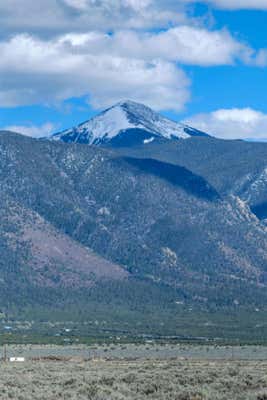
135, 372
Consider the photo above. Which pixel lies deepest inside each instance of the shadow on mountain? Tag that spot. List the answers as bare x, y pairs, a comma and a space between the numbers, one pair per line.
260, 210
132, 137
177, 176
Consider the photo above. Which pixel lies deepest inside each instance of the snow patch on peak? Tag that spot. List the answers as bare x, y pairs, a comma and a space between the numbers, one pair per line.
153, 121
146, 141
108, 124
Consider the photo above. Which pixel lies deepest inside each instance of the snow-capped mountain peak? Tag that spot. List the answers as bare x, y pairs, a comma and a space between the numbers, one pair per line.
125, 123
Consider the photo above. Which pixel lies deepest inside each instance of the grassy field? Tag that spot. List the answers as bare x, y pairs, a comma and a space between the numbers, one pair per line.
135, 380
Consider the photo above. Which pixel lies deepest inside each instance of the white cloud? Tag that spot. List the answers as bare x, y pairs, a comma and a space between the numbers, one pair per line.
261, 58
105, 68
52, 71
52, 17
182, 44
239, 4
77, 4
235, 123
32, 130
187, 45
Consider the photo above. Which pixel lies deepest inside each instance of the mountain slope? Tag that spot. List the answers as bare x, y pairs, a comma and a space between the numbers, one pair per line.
161, 223
124, 123
233, 167
44, 256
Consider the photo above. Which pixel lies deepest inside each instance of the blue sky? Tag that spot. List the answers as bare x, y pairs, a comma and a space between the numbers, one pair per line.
204, 63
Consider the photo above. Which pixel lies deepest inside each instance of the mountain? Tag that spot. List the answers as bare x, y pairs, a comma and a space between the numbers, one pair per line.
130, 126
126, 123
155, 222
67, 208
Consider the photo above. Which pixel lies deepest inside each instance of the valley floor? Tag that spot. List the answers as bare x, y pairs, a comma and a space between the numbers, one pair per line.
134, 380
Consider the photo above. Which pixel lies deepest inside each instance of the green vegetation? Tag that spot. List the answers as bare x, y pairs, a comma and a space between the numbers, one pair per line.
99, 322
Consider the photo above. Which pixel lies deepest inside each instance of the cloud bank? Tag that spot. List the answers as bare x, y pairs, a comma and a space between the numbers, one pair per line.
50, 17
144, 66
108, 50
39, 71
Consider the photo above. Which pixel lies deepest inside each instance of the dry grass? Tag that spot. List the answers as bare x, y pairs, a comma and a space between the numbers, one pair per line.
135, 380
